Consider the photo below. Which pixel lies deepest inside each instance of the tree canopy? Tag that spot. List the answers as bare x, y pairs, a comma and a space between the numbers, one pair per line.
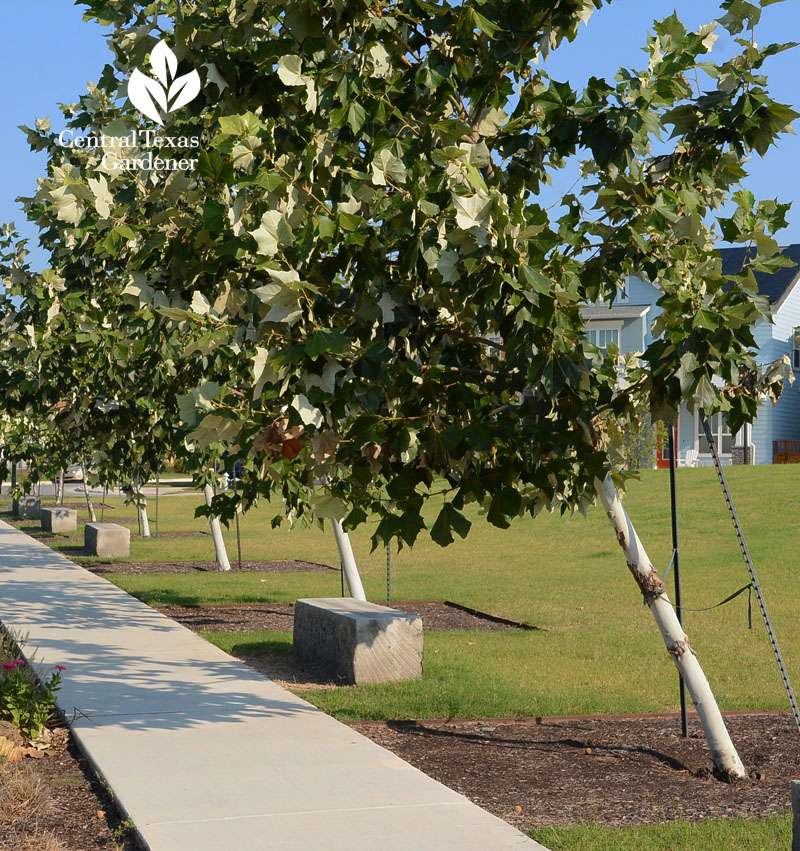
356, 287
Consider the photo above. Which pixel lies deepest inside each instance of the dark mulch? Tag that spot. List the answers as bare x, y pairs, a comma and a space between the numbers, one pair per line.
131, 567
80, 813
612, 770
279, 616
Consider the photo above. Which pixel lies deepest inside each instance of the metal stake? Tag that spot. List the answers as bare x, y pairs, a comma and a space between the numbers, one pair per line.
238, 539
676, 562
762, 605
389, 574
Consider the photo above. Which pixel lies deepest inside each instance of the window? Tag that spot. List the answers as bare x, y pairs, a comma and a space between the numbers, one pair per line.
796, 349
601, 337
720, 432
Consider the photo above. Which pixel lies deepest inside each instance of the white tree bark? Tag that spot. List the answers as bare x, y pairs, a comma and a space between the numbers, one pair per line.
141, 505
216, 535
143, 521
60, 487
89, 506
723, 752
348, 562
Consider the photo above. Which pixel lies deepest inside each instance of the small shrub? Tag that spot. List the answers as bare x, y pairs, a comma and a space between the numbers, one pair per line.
24, 700
641, 441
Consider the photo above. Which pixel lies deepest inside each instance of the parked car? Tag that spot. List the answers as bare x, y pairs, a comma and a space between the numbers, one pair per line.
73, 473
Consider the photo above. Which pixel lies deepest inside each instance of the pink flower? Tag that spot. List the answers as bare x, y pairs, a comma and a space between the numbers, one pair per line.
19, 661
60, 667
8, 666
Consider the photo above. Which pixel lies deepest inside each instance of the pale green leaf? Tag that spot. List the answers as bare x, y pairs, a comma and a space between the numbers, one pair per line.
308, 413
471, 210
289, 70
273, 232
490, 121
68, 208
103, 199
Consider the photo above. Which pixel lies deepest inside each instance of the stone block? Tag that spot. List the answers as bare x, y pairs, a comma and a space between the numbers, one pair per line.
29, 506
358, 642
107, 540
59, 519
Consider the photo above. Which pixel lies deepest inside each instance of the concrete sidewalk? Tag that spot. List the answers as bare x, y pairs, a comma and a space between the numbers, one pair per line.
201, 751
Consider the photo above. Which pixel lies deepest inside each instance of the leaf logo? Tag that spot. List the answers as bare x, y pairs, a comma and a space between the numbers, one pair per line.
155, 98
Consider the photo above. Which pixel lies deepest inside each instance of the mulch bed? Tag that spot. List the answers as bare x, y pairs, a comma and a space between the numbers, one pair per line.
81, 812
279, 616
613, 770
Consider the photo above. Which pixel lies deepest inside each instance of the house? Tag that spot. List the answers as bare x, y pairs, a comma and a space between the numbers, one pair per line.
776, 431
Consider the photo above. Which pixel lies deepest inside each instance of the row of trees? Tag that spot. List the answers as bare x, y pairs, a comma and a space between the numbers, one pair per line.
358, 290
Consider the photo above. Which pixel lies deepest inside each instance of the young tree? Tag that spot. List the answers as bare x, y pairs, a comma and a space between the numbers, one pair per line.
360, 266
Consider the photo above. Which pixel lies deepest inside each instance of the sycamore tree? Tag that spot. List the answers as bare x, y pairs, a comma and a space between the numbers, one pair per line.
359, 263
71, 356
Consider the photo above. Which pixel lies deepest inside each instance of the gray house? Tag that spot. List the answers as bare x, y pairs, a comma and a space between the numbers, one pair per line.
775, 435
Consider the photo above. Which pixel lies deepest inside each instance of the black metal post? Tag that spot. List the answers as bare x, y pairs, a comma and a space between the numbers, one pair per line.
676, 562
238, 540
14, 501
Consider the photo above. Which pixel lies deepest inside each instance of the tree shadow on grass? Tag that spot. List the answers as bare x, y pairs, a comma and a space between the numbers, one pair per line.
263, 648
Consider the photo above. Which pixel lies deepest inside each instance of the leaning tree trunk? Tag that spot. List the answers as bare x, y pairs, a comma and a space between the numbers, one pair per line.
144, 523
348, 562
216, 535
89, 506
723, 752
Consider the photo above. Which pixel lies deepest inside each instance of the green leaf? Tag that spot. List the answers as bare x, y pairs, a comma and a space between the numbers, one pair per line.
356, 116
211, 165
449, 519
233, 125
333, 342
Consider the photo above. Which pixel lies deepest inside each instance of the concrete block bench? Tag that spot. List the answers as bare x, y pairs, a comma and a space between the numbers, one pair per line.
27, 506
356, 641
59, 519
107, 540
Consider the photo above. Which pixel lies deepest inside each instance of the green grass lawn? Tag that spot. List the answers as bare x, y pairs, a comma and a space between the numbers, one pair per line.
764, 834
598, 650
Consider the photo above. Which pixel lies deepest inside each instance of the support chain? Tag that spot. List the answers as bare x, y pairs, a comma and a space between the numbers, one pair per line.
751, 570
389, 574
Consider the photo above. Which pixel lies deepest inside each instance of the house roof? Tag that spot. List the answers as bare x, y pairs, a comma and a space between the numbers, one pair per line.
775, 285
619, 311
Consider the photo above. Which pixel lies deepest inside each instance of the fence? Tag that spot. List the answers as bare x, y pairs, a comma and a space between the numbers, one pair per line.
786, 451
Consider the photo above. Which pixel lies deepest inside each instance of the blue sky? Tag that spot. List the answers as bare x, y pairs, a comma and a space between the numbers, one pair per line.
48, 53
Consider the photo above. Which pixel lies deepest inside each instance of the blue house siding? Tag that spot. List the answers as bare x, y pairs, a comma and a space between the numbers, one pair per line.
761, 434
631, 337
773, 341
685, 432
642, 292
786, 414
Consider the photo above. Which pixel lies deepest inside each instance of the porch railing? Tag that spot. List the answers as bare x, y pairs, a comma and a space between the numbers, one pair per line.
786, 451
